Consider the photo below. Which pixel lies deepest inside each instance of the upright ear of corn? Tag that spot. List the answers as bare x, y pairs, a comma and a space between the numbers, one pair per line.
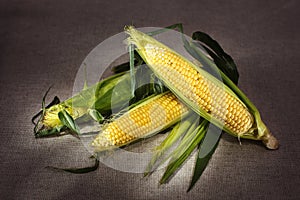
143, 120
198, 89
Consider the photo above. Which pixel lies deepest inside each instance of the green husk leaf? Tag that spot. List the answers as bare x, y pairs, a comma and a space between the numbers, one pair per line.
120, 90
95, 115
202, 162
185, 141
170, 140
186, 147
78, 170
224, 61
121, 68
144, 83
55, 131
178, 131
105, 92
68, 121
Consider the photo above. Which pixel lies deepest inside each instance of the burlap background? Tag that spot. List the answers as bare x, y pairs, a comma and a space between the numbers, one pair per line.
44, 42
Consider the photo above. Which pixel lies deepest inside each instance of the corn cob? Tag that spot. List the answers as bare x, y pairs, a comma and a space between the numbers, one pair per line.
202, 92
96, 97
147, 118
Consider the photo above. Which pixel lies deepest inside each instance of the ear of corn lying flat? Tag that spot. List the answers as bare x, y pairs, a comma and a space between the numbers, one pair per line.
199, 90
143, 120
97, 97
92, 97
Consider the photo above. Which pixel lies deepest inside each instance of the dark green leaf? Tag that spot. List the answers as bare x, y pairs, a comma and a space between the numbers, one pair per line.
224, 61
50, 132
176, 160
78, 170
117, 88
203, 157
121, 68
67, 120
95, 115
